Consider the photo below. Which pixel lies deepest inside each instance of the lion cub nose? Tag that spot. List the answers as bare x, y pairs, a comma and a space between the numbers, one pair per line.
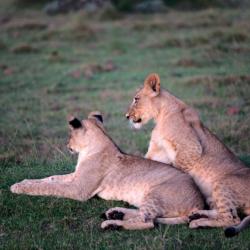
127, 116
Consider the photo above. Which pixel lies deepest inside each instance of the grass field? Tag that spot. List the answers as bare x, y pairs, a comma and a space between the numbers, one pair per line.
76, 63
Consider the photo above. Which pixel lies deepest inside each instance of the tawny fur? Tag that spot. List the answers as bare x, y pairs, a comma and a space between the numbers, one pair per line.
180, 139
160, 192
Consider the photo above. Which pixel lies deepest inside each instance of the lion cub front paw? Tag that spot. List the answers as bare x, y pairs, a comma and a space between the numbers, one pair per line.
18, 188
115, 215
15, 188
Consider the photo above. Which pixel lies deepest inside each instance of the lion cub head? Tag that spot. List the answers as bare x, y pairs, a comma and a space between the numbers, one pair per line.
82, 133
143, 107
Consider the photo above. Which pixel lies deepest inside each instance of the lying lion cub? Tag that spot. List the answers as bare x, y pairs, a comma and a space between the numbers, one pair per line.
179, 138
162, 193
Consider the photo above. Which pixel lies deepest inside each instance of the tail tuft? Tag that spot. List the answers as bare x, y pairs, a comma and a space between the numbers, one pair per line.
230, 232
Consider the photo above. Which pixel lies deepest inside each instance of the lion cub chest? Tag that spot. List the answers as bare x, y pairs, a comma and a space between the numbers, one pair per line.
166, 149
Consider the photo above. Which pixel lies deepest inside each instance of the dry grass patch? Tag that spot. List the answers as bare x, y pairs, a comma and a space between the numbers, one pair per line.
89, 70
207, 102
233, 131
25, 24
219, 80
186, 20
55, 57
115, 95
187, 62
69, 32
24, 48
183, 42
3, 46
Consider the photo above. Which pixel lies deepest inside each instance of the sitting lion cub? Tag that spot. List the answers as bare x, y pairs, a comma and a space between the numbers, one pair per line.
179, 138
162, 193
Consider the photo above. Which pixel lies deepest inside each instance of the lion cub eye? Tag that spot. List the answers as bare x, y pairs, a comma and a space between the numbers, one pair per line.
136, 99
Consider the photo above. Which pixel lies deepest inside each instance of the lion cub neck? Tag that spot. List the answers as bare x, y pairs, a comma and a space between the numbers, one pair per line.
99, 144
166, 104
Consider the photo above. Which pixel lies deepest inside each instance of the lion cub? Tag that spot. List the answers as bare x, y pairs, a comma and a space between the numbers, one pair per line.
162, 193
179, 138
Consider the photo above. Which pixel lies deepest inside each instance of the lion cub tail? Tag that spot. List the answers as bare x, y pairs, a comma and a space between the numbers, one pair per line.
234, 230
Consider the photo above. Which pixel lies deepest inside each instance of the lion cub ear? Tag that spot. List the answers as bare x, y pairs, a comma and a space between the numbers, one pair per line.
152, 82
74, 123
96, 115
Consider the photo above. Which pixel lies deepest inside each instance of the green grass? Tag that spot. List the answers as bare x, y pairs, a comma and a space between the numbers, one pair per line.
53, 66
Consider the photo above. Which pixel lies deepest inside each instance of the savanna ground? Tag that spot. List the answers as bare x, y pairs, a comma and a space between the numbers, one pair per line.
76, 63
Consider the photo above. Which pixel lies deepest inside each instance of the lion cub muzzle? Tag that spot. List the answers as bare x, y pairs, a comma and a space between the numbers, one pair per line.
135, 122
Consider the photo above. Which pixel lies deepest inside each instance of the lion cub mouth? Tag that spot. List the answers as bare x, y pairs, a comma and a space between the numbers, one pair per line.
137, 121
136, 124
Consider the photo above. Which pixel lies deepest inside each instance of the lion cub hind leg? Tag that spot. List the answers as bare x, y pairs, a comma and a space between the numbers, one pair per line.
220, 222
225, 211
223, 217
